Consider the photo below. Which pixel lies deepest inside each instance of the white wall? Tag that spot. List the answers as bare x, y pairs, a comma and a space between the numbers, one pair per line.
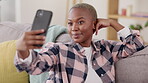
7, 10
29, 8
24, 11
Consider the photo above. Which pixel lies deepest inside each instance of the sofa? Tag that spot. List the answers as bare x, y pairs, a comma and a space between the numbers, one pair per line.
9, 33
133, 69
128, 70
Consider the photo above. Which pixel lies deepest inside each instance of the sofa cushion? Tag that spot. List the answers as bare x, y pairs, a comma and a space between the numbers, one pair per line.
133, 69
8, 72
12, 30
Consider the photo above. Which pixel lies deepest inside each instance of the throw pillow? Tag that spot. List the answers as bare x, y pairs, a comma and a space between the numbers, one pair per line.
8, 72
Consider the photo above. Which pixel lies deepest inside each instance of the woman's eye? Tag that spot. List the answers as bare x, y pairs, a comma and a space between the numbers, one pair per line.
70, 23
80, 22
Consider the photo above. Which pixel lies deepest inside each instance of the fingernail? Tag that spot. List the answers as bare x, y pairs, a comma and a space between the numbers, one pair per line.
42, 30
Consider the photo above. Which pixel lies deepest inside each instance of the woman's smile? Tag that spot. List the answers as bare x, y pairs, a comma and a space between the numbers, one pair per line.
76, 35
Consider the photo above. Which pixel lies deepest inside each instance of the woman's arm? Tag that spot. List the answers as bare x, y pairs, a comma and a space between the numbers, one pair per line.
39, 62
130, 42
42, 61
103, 23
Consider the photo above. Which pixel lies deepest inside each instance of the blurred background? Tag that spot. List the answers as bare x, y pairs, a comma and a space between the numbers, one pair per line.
127, 12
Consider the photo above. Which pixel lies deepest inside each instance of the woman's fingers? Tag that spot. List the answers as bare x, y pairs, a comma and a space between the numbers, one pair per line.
35, 37
35, 32
30, 39
34, 47
102, 23
97, 28
35, 42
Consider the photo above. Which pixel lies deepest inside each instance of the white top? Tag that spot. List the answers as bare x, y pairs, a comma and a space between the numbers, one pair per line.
91, 75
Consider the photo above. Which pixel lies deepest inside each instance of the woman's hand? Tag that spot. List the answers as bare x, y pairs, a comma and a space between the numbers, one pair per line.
28, 41
103, 23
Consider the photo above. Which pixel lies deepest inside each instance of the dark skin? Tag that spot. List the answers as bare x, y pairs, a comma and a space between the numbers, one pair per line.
81, 27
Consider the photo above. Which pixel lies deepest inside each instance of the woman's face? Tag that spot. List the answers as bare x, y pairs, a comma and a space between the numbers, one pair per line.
80, 26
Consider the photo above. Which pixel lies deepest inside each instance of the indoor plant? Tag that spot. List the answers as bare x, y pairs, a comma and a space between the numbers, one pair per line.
138, 26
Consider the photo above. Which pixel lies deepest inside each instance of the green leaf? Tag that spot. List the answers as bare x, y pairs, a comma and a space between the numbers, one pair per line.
132, 27
146, 24
138, 27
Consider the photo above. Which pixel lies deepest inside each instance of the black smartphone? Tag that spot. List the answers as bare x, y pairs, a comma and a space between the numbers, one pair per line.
42, 21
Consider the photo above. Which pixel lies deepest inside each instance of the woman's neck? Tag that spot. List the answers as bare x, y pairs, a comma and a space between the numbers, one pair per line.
85, 44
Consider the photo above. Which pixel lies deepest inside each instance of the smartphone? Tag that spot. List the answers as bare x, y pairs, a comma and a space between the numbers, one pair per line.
42, 21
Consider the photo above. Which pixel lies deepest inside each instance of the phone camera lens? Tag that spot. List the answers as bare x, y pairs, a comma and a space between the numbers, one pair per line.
40, 13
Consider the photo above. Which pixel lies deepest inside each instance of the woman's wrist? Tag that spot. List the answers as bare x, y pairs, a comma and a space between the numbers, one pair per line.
115, 25
23, 54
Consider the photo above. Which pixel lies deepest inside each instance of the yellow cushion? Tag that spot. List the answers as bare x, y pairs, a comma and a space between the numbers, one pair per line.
8, 72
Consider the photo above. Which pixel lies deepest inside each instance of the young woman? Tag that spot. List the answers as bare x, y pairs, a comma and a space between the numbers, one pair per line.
81, 60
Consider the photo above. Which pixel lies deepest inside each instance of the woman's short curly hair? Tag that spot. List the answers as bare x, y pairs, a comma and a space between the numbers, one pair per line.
89, 7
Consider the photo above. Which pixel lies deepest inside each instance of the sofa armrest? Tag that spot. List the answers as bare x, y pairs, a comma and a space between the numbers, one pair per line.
133, 69
12, 30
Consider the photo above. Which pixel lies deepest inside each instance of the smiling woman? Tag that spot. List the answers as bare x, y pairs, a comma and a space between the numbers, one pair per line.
81, 25
72, 62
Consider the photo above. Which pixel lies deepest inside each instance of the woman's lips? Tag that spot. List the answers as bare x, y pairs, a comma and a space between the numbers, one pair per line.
76, 36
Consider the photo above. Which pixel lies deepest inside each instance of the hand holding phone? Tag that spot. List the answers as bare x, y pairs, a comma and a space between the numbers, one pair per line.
41, 21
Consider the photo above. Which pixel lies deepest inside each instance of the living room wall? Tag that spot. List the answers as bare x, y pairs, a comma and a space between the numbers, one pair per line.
29, 7
7, 10
25, 11
59, 8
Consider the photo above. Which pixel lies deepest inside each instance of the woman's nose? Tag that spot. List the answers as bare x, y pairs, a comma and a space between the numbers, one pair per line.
75, 27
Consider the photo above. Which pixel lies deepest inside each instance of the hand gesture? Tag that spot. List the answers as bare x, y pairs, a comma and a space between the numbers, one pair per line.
102, 23
29, 40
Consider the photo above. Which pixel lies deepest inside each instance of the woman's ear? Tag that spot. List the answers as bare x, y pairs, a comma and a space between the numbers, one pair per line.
96, 21
94, 25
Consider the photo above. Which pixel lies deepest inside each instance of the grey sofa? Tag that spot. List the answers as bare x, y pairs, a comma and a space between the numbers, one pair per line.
12, 30
133, 69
